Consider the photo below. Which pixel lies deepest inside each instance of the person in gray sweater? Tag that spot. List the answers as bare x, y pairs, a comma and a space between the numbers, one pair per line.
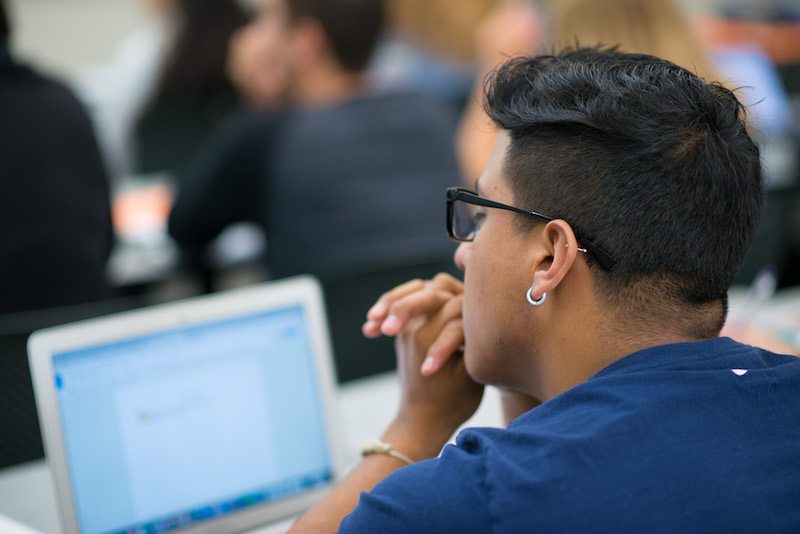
344, 182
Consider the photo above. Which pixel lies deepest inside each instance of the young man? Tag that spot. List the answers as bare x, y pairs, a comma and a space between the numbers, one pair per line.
607, 226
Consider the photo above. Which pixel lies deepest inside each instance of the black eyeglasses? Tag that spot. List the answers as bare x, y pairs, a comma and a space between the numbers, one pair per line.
463, 220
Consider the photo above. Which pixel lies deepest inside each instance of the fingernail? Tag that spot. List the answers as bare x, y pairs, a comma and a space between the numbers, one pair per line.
427, 365
377, 309
391, 325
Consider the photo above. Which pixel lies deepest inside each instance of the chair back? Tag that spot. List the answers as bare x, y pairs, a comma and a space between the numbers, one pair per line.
20, 435
349, 296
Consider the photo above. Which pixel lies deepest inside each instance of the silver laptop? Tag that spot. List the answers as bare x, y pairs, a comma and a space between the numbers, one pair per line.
212, 414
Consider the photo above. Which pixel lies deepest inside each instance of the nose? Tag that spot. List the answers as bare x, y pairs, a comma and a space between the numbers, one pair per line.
461, 255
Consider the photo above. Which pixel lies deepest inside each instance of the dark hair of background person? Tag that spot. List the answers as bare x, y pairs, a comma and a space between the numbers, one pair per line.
641, 157
193, 92
196, 64
5, 29
352, 26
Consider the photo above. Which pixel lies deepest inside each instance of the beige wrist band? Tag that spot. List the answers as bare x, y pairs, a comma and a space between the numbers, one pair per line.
377, 446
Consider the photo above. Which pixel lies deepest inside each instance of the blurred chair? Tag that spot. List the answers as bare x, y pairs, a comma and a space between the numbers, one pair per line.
22, 439
349, 296
773, 243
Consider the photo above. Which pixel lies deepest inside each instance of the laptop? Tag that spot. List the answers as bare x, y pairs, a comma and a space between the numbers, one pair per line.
211, 414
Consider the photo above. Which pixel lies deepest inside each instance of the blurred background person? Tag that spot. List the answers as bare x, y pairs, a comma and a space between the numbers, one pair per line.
165, 88
193, 93
513, 28
257, 69
345, 182
659, 28
524, 27
756, 45
55, 222
425, 47
662, 28
428, 46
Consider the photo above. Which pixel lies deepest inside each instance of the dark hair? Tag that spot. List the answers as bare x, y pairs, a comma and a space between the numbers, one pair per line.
351, 26
196, 63
641, 157
5, 29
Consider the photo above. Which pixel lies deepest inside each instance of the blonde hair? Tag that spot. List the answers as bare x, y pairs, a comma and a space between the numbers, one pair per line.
444, 27
655, 27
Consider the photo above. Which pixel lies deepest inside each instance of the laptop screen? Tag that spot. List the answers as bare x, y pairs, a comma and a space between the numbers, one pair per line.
176, 427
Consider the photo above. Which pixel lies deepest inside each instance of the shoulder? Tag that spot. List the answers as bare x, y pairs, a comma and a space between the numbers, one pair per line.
658, 433
445, 494
245, 131
680, 415
249, 121
404, 106
33, 83
39, 98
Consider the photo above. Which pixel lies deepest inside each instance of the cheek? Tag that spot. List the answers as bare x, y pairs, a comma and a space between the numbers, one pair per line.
497, 317
488, 308
274, 46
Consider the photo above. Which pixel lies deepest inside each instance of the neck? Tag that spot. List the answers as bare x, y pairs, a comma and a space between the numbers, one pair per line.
576, 338
586, 356
326, 86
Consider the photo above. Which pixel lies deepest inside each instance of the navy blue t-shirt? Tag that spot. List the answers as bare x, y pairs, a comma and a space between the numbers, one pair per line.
691, 437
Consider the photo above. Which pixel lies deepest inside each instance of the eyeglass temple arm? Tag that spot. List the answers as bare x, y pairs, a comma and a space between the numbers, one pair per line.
606, 260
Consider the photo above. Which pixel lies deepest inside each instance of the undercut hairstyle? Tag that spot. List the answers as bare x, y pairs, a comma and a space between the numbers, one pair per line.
351, 26
643, 158
5, 29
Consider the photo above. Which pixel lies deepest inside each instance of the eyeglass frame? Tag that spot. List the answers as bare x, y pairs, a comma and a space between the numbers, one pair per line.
606, 260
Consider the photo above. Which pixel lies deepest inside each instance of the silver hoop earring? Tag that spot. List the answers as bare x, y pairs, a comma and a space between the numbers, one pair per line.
535, 302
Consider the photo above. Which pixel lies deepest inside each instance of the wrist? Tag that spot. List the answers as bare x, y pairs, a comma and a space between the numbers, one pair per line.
416, 443
377, 446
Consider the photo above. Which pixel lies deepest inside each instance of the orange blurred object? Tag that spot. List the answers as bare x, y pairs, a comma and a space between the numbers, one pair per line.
142, 211
779, 39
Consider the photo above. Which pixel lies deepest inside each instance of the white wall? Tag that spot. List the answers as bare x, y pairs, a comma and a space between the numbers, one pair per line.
64, 35
61, 36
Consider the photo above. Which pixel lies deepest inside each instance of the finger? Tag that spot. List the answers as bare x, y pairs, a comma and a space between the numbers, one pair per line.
447, 282
380, 310
445, 334
425, 301
385, 306
449, 342
420, 304
442, 281
381, 307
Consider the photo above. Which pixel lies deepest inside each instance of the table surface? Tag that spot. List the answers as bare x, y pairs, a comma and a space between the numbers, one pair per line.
365, 408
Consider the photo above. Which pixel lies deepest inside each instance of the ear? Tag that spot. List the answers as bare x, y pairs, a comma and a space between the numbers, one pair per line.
560, 248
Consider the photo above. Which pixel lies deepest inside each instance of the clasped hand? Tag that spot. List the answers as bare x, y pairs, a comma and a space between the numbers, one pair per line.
437, 393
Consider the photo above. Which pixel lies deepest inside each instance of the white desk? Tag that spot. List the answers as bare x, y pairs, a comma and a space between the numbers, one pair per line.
366, 407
